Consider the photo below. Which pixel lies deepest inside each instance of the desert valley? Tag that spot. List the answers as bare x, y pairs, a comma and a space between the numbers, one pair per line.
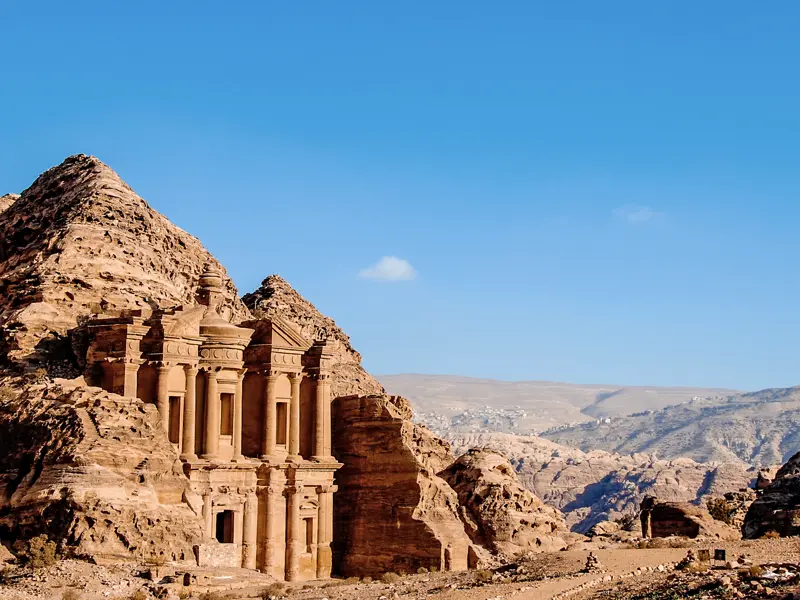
163, 436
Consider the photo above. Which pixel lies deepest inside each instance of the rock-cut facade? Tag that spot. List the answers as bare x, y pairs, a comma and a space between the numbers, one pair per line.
247, 409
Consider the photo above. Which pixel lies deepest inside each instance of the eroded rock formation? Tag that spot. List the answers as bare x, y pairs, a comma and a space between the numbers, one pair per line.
664, 519
94, 471
7, 200
79, 241
778, 507
392, 512
497, 511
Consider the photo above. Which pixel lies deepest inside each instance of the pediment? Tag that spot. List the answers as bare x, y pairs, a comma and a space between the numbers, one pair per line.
284, 335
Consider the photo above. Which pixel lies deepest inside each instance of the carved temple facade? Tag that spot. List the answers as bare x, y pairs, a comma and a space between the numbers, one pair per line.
247, 409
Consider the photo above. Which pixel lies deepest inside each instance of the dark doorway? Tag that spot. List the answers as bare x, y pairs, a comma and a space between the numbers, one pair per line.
224, 532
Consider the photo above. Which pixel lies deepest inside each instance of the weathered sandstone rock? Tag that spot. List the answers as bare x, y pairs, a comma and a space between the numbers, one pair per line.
94, 471
778, 508
497, 511
276, 297
7, 200
589, 487
79, 241
392, 512
664, 519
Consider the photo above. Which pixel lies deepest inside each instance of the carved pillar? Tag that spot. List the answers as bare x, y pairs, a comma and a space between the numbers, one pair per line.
250, 531
324, 531
237, 419
131, 374
211, 446
162, 394
270, 416
294, 421
328, 420
293, 532
319, 425
208, 519
189, 409
275, 536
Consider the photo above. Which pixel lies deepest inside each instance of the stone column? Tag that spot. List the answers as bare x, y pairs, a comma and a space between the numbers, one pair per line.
131, 375
211, 446
275, 509
208, 517
237, 419
293, 532
294, 420
162, 394
319, 418
324, 531
326, 403
250, 532
270, 416
189, 408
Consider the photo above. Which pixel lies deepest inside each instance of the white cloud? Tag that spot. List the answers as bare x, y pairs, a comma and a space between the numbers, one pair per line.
634, 213
389, 268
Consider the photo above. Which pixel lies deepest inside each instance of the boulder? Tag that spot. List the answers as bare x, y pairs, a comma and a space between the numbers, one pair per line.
665, 519
497, 511
778, 507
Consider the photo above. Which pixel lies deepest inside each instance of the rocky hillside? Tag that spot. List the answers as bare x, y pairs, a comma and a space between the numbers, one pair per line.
450, 404
590, 487
94, 471
276, 297
759, 429
79, 241
778, 507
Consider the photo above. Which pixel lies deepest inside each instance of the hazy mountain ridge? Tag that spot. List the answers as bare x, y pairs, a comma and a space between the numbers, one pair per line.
758, 428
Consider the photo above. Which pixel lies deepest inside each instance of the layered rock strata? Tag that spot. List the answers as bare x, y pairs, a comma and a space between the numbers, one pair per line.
94, 471
497, 511
664, 519
778, 507
392, 512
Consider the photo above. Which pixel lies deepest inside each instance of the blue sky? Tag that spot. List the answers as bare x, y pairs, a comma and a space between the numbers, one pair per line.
575, 191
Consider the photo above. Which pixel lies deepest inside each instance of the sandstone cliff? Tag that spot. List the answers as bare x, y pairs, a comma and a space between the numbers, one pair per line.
497, 511
276, 297
778, 507
94, 471
392, 512
79, 241
591, 487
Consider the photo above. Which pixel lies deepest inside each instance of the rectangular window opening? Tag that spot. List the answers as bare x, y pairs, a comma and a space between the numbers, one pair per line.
226, 414
174, 419
224, 531
282, 416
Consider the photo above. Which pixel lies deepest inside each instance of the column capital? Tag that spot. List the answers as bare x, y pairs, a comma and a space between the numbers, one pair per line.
163, 365
293, 490
211, 373
190, 368
327, 489
295, 376
270, 373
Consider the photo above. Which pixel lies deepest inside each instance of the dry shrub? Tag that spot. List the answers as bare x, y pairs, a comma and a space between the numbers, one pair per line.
483, 576
70, 595
434, 569
422, 571
771, 535
366, 580
212, 596
697, 567
139, 595
352, 580
720, 510
390, 578
628, 522
755, 571
38, 552
276, 590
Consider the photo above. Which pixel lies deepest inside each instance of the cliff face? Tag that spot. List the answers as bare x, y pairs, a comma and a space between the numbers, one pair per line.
778, 507
498, 512
79, 241
276, 297
392, 512
94, 471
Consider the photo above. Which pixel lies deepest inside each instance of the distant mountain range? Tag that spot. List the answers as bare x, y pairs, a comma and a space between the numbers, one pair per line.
705, 424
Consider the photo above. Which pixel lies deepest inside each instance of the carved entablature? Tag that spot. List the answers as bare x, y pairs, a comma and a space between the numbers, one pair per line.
275, 345
319, 359
116, 338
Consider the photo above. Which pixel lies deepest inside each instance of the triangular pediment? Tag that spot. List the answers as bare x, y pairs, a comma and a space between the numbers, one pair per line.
284, 335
